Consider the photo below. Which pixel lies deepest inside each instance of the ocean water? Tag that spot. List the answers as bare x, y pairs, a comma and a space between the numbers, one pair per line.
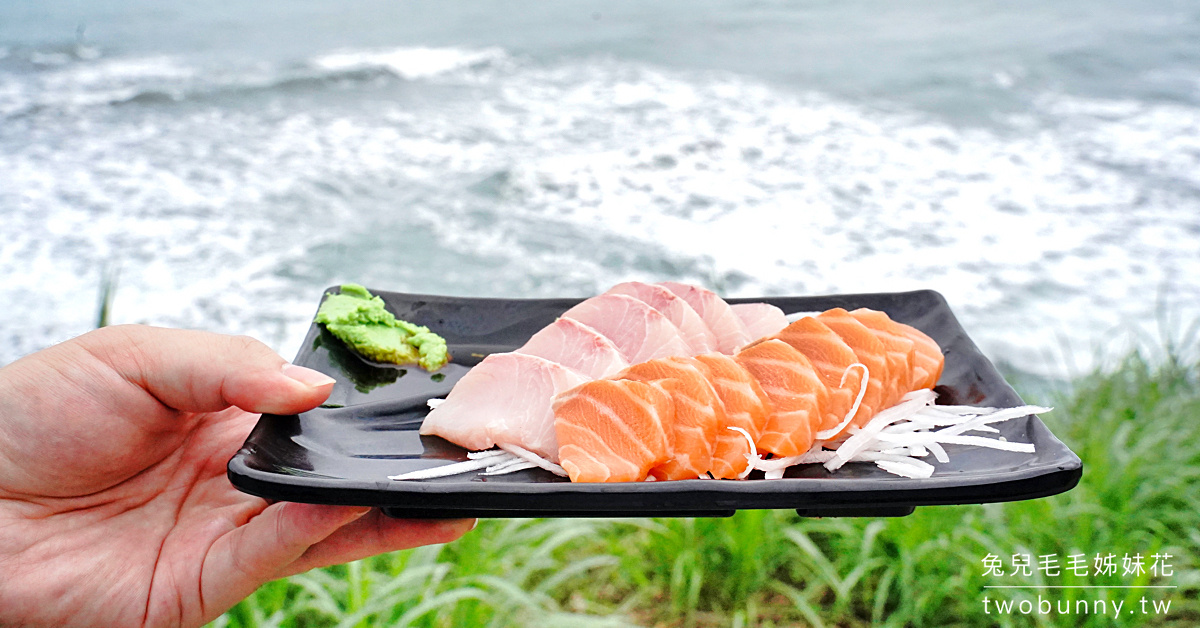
1036, 163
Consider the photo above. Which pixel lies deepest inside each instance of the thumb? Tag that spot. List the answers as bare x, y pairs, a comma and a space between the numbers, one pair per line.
288, 538
197, 371
250, 555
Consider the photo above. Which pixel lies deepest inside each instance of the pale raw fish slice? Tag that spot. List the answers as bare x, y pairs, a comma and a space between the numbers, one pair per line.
695, 333
730, 331
639, 331
612, 430
577, 346
761, 319
505, 399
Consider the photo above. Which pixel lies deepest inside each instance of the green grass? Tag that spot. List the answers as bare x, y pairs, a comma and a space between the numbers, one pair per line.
1137, 429
109, 276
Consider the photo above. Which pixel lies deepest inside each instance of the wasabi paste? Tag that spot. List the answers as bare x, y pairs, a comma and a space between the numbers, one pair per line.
360, 320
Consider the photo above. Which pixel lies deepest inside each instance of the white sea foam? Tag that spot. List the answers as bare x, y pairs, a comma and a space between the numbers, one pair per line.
121, 70
410, 63
562, 180
1025, 235
74, 84
84, 79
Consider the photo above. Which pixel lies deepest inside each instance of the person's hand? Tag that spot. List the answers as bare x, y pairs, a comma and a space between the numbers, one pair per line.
114, 505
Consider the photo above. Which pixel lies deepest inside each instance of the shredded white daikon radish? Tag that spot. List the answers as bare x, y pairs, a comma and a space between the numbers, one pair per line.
862, 390
517, 465
507, 459
906, 467
750, 457
476, 455
510, 465
897, 438
534, 459
864, 437
447, 469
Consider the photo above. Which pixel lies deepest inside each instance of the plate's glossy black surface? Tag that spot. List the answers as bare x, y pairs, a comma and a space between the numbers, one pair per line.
342, 452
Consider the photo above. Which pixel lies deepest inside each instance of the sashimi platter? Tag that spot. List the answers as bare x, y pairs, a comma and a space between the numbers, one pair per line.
651, 399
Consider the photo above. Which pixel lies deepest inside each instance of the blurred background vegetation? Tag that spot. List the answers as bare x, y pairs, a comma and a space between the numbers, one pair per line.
1135, 427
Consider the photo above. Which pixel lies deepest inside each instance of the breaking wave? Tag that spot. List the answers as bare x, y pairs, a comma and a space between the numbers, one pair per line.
57, 79
559, 179
410, 63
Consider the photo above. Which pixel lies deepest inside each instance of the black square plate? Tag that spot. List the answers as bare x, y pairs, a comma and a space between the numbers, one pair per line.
342, 452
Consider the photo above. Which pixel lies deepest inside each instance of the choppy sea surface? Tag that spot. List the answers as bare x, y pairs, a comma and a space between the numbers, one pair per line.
1037, 165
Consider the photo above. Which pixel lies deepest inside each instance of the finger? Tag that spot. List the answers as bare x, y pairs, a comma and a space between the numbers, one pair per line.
261, 550
198, 371
377, 533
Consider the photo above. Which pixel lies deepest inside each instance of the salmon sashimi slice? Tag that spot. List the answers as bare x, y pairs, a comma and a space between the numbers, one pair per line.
899, 346
691, 327
870, 352
505, 399
639, 331
692, 431
832, 357
577, 346
730, 331
795, 392
927, 356
612, 430
744, 406
761, 319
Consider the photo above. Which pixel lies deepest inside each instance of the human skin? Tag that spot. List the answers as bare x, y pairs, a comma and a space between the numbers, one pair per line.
114, 505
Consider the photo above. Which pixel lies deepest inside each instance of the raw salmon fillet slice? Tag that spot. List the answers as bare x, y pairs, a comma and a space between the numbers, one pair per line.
899, 346
831, 356
744, 405
577, 346
870, 352
691, 327
612, 430
795, 392
692, 431
730, 331
927, 356
761, 319
639, 331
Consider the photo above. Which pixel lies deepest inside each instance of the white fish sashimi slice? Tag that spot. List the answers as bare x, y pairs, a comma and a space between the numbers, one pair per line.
506, 398
730, 331
761, 319
639, 331
691, 327
576, 346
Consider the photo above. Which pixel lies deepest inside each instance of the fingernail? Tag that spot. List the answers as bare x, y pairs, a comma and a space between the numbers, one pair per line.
307, 376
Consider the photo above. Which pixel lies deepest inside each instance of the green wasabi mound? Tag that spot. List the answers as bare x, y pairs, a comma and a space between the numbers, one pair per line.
360, 320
